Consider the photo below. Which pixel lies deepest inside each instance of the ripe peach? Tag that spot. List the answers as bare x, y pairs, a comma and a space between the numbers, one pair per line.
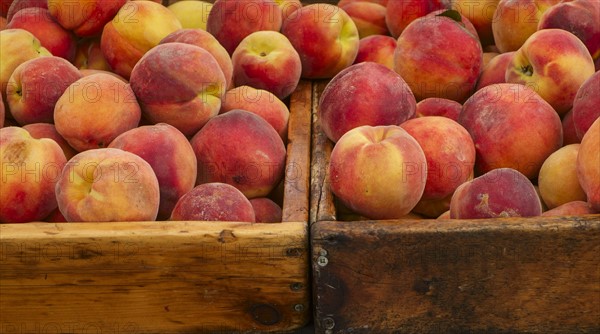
481, 14
30, 170
575, 208
579, 17
555, 63
449, 151
325, 37
242, 149
196, 86
107, 184
209, 43
378, 49
214, 202
558, 180
288, 7
487, 56
52, 36
36, 85
267, 60
171, 157
588, 165
260, 102
442, 65
400, 14
86, 17
136, 28
47, 130
502, 192
191, 14
585, 105
515, 20
360, 95
501, 118
94, 110
378, 171
2, 112
89, 55
437, 106
232, 20
369, 18
266, 211
495, 71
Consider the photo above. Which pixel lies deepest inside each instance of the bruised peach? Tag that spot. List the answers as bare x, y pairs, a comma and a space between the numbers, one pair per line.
502, 192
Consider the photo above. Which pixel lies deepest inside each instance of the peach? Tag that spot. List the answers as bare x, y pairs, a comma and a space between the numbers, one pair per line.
89, 55
445, 215
30, 170
495, 71
569, 132
383, 3
209, 43
369, 18
106, 185
488, 56
378, 171
3, 23
288, 7
87, 17
214, 202
432, 208
442, 65
55, 217
555, 63
16, 47
580, 17
267, 60
501, 118
378, 49
241, 149
17, 5
481, 14
171, 157
260, 102
52, 36
231, 21
47, 130
449, 151
36, 85
502, 192
399, 14
193, 95
266, 211
191, 14
325, 37
94, 110
515, 20
558, 181
360, 95
136, 28
437, 106
585, 105
588, 165
86, 72
575, 208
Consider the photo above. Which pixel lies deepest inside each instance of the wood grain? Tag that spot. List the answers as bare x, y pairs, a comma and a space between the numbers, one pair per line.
455, 276
166, 277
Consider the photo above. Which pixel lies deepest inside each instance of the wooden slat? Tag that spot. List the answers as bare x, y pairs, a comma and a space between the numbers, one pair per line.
166, 277
295, 197
456, 276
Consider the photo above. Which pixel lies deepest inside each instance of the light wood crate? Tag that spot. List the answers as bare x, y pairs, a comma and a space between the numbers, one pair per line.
166, 277
512, 275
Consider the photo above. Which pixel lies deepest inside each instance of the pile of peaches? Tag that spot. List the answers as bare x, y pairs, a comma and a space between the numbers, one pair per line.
138, 110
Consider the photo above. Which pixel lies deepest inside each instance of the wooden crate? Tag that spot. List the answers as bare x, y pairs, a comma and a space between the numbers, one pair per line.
534, 275
166, 277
